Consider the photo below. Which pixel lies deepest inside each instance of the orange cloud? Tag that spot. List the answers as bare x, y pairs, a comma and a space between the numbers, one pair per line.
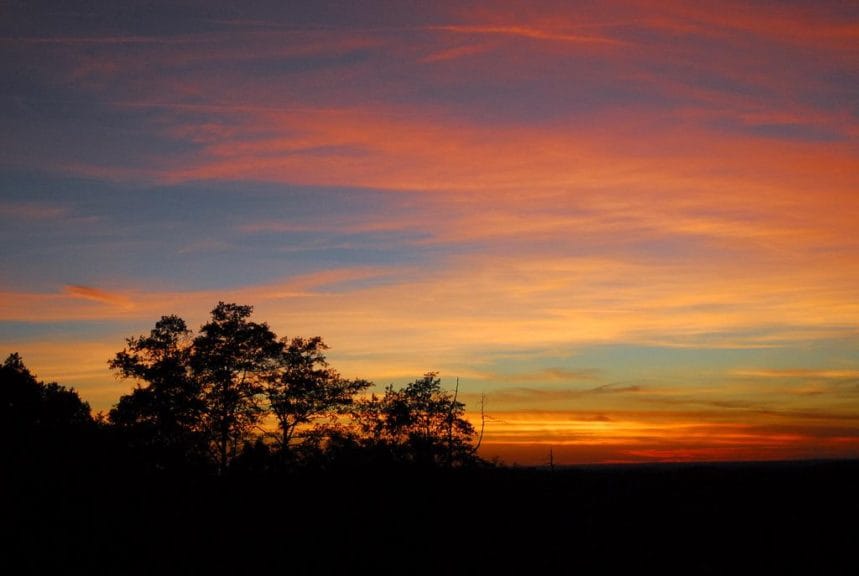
97, 295
546, 302
758, 195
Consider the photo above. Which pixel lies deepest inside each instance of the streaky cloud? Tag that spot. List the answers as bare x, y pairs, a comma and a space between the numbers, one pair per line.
98, 295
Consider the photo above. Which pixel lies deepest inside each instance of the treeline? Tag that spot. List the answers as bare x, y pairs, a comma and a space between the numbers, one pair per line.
234, 396
238, 452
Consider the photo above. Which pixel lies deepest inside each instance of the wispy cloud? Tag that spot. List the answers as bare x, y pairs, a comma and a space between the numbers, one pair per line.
38, 211
545, 302
538, 177
530, 32
800, 373
550, 374
457, 52
98, 295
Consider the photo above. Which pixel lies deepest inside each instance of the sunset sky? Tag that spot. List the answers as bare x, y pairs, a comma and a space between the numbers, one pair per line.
636, 230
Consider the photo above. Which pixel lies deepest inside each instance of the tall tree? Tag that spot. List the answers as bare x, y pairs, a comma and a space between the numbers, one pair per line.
421, 423
232, 358
305, 391
164, 415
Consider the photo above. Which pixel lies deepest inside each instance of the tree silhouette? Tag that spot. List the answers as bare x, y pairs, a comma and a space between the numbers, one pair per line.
163, 417
304, 389
421, 423
206, 398
232, 357
36, 416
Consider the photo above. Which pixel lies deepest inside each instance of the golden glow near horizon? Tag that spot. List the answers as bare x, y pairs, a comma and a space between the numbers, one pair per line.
632, 229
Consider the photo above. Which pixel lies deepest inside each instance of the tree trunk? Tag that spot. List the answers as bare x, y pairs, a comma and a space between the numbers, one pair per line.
222, 448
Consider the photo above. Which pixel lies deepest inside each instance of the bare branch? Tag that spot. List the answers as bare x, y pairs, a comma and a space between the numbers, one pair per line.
482, 421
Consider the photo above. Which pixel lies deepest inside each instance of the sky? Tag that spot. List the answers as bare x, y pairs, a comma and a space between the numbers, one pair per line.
632, 229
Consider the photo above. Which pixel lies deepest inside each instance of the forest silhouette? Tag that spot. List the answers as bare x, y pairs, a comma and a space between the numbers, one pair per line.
236, 451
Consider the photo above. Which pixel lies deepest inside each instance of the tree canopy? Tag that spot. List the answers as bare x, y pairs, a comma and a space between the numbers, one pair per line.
421, 423
231, 358
163, 417
305, 391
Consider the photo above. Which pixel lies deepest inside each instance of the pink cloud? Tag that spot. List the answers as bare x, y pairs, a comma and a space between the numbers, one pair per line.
529, 32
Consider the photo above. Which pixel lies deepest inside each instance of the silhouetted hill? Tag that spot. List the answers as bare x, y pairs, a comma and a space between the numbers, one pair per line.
696, 519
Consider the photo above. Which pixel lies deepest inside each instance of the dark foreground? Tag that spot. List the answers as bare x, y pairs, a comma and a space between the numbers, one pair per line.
776, 518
